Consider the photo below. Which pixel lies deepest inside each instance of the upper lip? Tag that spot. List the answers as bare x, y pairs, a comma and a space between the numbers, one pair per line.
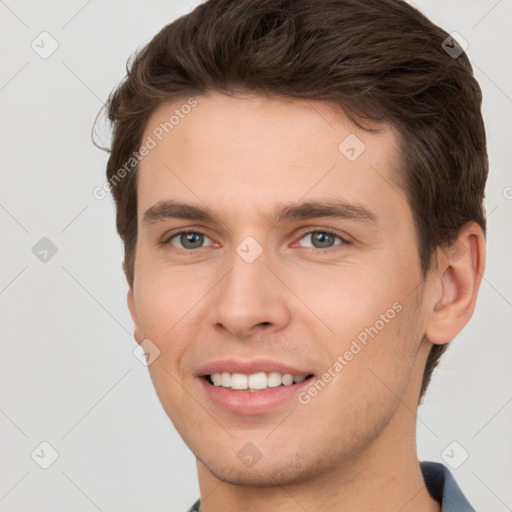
249, 367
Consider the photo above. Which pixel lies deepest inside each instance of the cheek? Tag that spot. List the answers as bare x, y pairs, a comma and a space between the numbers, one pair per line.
164, 316
366, 380
352, 300
163, 298
374, 332
162, 313
380, 373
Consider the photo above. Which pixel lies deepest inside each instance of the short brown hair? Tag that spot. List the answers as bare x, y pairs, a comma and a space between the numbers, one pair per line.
381, 61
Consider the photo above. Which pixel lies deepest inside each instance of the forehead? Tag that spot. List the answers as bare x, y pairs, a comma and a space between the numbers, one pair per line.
252, 151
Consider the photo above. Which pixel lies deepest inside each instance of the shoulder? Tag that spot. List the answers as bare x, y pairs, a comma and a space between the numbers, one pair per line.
443, 488
194, 507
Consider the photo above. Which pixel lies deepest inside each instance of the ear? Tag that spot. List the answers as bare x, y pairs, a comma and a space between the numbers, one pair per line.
458, 275
131, 306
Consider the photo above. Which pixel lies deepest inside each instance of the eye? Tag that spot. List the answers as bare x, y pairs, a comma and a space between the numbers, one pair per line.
323, 239
319, 239
188, 240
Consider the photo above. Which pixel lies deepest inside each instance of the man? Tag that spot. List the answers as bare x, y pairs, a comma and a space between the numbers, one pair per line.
299, 189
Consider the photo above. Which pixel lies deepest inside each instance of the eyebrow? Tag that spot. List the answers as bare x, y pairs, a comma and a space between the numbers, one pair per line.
170, 209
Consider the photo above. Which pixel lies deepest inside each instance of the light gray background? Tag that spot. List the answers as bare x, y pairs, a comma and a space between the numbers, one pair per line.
68, 374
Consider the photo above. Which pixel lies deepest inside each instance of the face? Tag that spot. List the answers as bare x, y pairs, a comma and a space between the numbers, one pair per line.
271, 246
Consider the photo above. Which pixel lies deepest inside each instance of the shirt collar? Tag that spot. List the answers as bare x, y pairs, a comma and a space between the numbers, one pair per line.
443, 488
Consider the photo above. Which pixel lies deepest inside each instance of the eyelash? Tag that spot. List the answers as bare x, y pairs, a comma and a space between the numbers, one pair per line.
344, 241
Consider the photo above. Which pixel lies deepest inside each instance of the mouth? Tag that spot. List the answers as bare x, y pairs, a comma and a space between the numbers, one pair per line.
259, 381
252, 386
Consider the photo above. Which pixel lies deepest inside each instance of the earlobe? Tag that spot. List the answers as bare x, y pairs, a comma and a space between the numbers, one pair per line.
460, 270
131, 306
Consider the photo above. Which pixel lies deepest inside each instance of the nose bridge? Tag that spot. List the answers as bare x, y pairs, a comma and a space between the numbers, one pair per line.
249, 294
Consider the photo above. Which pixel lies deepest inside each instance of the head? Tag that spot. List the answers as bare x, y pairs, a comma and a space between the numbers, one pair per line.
247, 106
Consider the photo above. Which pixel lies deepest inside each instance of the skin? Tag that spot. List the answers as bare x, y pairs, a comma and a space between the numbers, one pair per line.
353, 446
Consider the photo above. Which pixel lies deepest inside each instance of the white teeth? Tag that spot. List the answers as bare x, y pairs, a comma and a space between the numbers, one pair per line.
226, 380
255, 381
273, 379
258, 380
287, 379
239, 381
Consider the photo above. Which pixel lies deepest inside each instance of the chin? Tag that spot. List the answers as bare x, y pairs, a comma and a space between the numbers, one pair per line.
287, 469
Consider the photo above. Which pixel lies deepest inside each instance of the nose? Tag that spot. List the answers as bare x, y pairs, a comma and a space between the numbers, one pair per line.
250, 298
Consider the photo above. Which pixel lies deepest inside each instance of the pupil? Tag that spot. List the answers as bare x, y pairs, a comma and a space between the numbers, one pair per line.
323, 239
194, 239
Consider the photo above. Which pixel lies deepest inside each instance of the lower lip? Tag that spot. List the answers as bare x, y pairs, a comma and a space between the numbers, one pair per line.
252, 402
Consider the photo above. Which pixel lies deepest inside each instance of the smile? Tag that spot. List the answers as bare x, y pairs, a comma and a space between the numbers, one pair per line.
255, 381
